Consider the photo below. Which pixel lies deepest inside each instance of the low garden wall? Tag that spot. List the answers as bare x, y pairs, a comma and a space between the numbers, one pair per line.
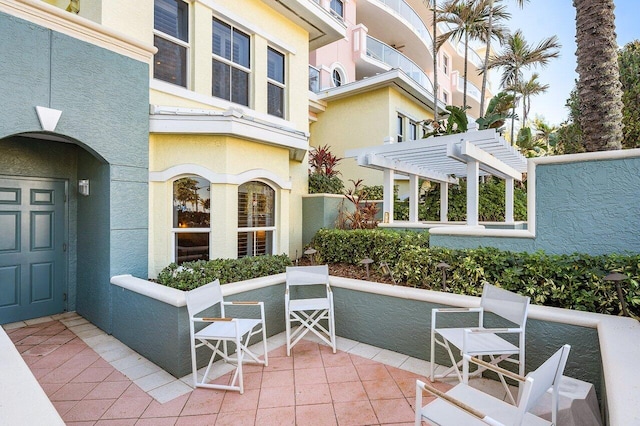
152, 320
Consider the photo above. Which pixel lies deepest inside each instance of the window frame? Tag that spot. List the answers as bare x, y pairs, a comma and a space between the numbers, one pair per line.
254, 229
179, 42
282, 85
230, 62
445, 96
400, 128
446, 63
178, 230
335, 12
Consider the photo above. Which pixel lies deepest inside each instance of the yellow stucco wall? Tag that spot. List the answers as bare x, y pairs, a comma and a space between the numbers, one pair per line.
363, 120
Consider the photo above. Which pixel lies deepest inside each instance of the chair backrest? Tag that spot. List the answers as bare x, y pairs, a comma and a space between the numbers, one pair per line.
546, 376
307, 275
506, 304
203, 297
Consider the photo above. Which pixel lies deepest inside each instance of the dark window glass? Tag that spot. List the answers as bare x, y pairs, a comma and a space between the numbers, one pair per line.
221, 39
191, 202
275, 100
400, 128
221, 80
191, 246
172, 18
170, 62
337, 78
241, 47
413, 131
338, 7
275, 65
239, 87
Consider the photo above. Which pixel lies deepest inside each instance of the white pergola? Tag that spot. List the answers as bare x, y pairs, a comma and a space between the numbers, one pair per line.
444, 159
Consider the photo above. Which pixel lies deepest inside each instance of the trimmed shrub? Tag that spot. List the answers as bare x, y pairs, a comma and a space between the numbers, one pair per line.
190, 275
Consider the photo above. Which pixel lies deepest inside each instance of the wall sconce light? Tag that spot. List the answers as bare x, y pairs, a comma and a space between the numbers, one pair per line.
83, 187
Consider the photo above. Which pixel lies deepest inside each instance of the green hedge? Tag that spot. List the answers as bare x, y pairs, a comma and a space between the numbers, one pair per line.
566, 281
351, 246
190, 275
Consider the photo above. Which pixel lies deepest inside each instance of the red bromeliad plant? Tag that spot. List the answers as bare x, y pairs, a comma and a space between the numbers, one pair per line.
323, 174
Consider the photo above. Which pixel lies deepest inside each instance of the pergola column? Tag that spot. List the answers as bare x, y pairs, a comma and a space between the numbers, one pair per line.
473, 192
508, 200
413, 198
387, 202
444, 202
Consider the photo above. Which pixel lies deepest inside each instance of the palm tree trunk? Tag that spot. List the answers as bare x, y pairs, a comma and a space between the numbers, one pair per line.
599, 87
486, 59
435, 63
466, 65
513, 109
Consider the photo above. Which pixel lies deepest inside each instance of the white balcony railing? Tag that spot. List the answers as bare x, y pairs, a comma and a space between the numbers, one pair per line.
403, 9
392, 57
472, 55
472, 89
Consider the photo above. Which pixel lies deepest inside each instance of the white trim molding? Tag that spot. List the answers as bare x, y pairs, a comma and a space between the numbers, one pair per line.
233, 121
219, 178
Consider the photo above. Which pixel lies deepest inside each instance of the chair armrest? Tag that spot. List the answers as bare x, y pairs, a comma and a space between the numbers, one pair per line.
445, 310
436, 311
212, 319
493, 330
496, 369
241, 302
457, 403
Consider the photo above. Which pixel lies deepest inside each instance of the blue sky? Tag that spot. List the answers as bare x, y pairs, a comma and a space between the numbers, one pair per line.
540, 19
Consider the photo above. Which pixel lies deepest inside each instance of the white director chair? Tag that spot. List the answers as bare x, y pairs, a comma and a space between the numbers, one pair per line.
475, 339
221, 331
314, 314
465, 405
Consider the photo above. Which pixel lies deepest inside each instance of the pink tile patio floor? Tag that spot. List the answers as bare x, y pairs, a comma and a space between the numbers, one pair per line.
312, 387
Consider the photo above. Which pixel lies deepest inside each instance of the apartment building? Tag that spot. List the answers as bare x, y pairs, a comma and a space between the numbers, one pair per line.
143, 133
376, 85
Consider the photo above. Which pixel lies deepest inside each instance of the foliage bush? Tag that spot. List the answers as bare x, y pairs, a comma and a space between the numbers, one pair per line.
351, 246
566, 281
491, 203
190, 275
323, 184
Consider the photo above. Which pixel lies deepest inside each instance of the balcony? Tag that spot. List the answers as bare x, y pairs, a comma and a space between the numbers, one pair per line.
396, 23
472, 90
323, 26
314, 79
392, 58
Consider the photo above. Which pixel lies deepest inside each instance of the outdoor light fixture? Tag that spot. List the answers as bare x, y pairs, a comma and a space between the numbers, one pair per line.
83, 187
366, 262
310, 252
443, 267
616, 277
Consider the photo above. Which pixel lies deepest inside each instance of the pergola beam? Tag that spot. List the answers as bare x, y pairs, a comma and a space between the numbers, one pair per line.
465, 151
383, 163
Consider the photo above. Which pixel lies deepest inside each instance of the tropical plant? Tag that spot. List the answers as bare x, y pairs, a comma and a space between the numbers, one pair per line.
362, 214
518, 55
468, 20
323, 172
456, 122
629, 64
545, 133
528, 145
487, 51
497, 112
527, 89
599, 87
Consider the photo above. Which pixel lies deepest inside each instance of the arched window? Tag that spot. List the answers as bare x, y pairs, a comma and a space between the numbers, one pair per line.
191, 218
256, 219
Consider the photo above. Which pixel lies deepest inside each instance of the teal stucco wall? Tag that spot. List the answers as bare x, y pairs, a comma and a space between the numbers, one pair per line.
582, 206
104, 99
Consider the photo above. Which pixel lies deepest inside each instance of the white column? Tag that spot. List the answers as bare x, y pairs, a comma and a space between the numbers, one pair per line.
508, 200
444, 202
387, 202
413, 198
473, 174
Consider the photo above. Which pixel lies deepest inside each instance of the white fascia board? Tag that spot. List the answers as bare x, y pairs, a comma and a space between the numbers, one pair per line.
296, 142
378, 161
465, 151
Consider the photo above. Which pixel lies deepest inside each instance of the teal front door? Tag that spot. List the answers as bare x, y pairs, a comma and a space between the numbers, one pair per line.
33, 248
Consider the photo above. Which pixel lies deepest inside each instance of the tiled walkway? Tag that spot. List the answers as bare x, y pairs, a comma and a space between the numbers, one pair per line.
91, 378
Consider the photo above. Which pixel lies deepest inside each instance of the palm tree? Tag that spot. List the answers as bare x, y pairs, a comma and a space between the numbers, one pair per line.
487, 52
469, 19
518, 55
599, 87
545, 132
526, 89
434, 9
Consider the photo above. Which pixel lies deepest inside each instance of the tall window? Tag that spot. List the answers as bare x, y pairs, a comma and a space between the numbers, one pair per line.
400, 128
445, 97
256, 222
231, 63
413, 130
191, 218
337, 8
445, 64
275, 85
171, 38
